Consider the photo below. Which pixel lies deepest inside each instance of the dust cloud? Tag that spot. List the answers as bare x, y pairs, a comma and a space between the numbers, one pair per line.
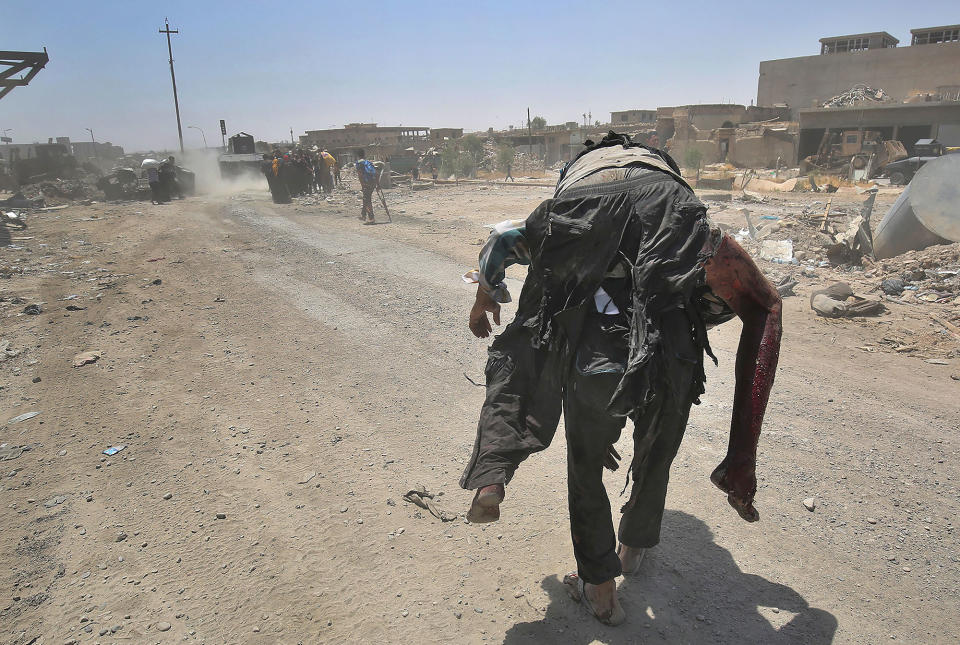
204, 165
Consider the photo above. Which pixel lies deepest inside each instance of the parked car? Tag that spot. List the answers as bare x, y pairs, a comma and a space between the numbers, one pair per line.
901, 172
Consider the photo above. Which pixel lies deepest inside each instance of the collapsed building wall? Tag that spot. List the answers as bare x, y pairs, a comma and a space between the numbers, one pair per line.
749, 146
768, 148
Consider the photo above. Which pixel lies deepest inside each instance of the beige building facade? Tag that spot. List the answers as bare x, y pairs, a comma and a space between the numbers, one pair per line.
930, 67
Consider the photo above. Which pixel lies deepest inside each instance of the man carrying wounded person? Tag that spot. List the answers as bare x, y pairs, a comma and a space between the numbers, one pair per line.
625, 276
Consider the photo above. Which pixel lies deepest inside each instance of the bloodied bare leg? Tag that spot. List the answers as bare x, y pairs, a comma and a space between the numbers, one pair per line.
733, 276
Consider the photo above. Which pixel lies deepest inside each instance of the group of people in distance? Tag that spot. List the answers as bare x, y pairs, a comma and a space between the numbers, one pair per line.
163, 181
299, 172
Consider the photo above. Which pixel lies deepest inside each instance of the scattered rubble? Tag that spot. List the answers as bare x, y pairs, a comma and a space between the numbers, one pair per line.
85, 358
832, 303
859, 93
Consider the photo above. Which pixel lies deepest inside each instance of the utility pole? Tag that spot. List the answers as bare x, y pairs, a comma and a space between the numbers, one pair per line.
173, 78
291, 136
529, 134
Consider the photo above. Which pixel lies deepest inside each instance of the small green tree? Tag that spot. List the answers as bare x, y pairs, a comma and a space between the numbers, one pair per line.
505, 156
454, 160
472, 145
692, 158
538, 123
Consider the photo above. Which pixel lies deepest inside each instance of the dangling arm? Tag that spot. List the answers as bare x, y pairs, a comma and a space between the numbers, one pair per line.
733, 276
506, 246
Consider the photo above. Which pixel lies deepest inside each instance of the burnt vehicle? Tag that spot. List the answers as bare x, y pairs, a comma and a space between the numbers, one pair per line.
129, 183
187, 180
122, 183
901, 172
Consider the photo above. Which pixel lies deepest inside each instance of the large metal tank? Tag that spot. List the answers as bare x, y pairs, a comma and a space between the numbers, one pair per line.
927, 212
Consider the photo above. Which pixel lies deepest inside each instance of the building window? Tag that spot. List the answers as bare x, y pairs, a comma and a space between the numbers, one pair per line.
937, 36
847, 45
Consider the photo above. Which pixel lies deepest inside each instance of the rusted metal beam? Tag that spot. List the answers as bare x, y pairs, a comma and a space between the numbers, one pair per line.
12, 63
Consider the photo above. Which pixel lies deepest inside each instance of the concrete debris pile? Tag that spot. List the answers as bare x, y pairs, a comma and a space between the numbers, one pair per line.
822, 252
489, 160
525, 162
927, 277
857, 94
61, 189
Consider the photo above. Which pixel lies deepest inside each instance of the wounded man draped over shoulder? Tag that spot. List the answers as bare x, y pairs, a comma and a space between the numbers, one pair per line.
625, 275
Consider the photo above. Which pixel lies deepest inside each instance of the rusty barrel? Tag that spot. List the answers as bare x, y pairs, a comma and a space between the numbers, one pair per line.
927, 212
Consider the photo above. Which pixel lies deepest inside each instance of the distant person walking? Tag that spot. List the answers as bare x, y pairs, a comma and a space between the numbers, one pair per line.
509, 175
153, 177
369, 176
337, 179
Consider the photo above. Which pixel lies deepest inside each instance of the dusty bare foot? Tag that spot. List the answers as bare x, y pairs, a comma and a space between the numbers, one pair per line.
600, 600
486, 504
630, 559
603, 600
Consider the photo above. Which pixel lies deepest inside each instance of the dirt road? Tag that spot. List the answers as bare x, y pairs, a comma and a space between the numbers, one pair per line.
281, 376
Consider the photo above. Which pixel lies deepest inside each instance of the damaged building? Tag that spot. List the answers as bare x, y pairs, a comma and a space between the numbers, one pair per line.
867, 81
860, 82
377, 142
632, 117
744, 136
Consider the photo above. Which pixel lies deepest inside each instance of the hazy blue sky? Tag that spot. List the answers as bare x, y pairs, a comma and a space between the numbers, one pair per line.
267, 66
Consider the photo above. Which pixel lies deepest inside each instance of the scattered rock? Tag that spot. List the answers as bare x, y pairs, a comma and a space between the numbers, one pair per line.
84, 358
121, 536
23, 417
32, 310
221, 516
810, 504
871, 520
54, 501
893, 286
163, 626
168, 496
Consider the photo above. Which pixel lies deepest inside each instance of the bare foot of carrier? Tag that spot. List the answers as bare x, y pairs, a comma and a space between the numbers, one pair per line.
600, 600
486, 504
